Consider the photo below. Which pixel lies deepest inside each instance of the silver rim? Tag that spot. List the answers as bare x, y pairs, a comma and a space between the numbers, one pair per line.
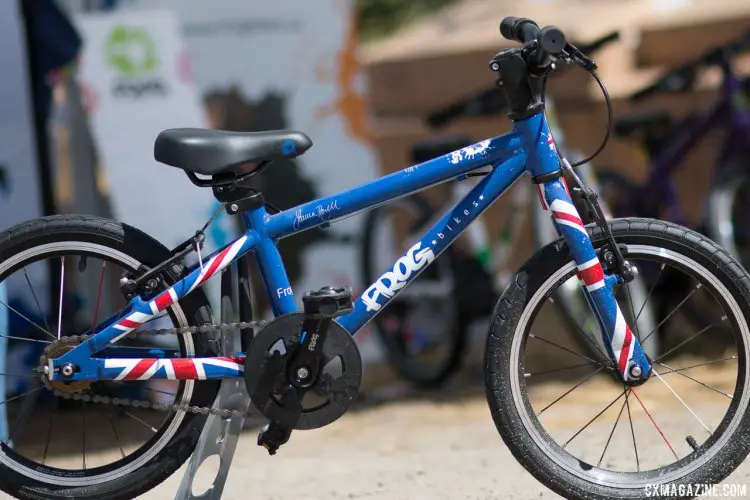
544, 445
188, 386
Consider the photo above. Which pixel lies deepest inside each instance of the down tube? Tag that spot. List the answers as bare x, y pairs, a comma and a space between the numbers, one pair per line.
432, 244
622, 345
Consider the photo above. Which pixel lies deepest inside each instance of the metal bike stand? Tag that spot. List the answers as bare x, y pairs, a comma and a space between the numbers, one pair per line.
220, 435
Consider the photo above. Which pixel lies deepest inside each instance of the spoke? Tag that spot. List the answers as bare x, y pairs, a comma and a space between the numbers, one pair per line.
27, 319
591, 341
13, 375
545, 372
21, 395
33, 293
138, 420
648, 296
98, 296
683, 402
62, 286
678, 370
694, 380
655, 425
609, 439
571, 390
593, 419
27, 340
656, 328
700, 332
561, 347
84, 435
632, 432
23, 417
632, 311
114, 430
49, 433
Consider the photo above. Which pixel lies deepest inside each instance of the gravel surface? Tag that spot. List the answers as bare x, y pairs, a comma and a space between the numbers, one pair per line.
446, 447
399, 444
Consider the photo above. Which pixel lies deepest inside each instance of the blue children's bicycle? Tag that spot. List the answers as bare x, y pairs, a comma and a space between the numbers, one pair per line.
303, 369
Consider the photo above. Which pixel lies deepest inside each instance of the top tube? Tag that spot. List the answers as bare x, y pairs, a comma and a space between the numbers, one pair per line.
395, 185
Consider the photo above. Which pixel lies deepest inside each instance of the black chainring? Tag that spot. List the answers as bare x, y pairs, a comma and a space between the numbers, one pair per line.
326, 400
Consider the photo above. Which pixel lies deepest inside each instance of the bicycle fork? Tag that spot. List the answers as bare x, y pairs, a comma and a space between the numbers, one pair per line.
623, 347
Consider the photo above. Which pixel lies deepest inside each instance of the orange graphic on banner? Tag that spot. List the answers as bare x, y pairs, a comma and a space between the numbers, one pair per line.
350, 103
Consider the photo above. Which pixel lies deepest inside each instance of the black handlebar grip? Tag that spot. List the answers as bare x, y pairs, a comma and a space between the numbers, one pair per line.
519, 29
506, 27
552, 40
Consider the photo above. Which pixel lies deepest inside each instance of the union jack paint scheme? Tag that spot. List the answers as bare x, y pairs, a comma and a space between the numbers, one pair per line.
529, 148
619, 338
174, 369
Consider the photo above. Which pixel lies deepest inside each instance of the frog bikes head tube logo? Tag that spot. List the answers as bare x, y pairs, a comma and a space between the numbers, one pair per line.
394, 280
132, 54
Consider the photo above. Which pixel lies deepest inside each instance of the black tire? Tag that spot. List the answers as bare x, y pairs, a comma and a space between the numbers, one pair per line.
406, 367
141, 247
502, 371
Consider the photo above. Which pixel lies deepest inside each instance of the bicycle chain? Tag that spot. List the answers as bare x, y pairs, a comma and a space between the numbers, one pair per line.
164, 407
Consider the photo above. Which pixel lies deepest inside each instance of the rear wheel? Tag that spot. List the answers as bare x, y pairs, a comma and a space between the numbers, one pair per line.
61, 448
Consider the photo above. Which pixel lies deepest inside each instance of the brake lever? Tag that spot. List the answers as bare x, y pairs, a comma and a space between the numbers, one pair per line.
577, 56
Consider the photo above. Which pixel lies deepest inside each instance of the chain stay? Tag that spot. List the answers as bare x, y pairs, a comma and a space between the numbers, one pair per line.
164, 407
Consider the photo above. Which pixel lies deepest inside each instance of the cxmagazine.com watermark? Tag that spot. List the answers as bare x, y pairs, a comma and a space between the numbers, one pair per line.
696, 490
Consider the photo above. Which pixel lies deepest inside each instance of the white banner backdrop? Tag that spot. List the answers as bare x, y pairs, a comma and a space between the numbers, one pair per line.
263, 65
136, 85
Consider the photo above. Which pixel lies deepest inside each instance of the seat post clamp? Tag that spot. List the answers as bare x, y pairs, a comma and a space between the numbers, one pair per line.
245, 204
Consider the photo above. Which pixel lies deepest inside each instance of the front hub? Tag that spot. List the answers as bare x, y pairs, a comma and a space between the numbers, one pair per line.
637, 376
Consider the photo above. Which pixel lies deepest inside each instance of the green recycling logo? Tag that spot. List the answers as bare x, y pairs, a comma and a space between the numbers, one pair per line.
131, 51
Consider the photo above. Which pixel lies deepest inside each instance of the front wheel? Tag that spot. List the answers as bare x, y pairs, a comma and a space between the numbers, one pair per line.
579, 430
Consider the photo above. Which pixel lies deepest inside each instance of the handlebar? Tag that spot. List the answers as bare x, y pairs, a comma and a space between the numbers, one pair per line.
682, 78
550, 40
491, 100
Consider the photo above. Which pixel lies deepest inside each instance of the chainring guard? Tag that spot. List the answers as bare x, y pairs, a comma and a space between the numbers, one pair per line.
326, 400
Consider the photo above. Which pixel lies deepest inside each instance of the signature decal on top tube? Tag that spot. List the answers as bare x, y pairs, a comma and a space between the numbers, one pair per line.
394, 280
470, 152
321, 211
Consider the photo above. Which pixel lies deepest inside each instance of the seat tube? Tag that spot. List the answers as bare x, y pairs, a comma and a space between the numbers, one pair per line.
544, 165
272, 270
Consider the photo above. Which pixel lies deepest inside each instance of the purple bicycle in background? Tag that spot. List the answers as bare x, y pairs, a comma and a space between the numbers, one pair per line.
668, 143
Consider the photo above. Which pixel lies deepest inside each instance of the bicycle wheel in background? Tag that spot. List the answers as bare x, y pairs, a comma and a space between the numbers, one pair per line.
728, 206
571, 301
422, 330
685, 425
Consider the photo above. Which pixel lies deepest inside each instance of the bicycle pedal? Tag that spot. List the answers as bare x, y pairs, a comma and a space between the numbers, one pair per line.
328, 302
272, 436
